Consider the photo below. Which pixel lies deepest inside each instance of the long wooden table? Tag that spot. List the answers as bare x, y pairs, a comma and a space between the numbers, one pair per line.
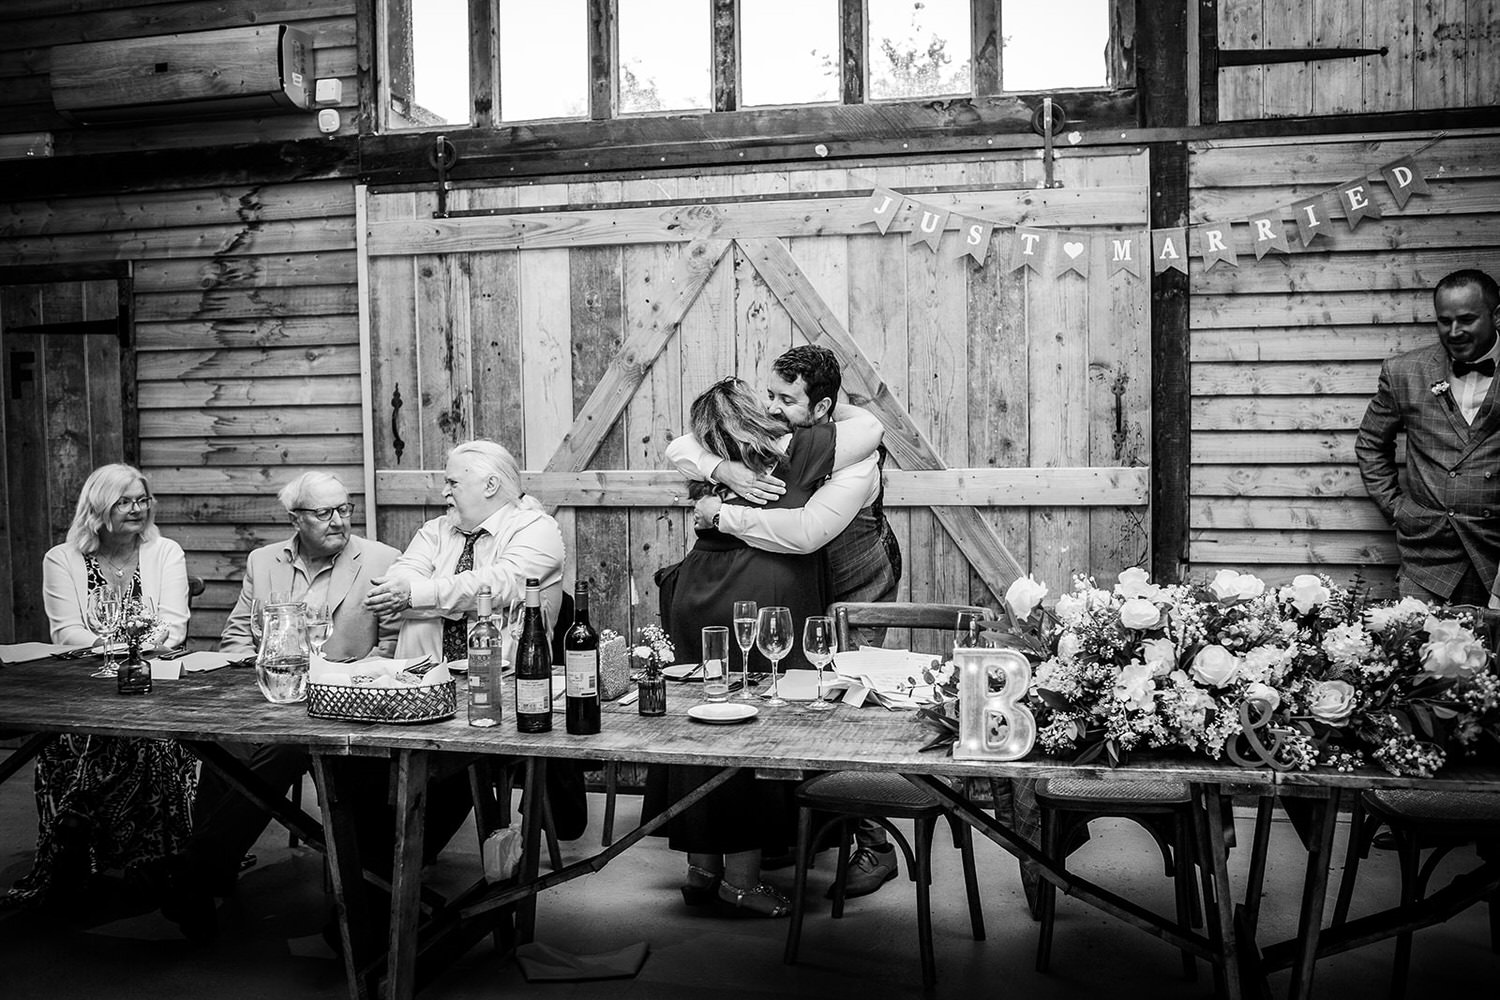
225, 706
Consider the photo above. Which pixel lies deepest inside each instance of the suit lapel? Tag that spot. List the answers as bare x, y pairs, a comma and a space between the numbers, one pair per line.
1437, 371
345, 569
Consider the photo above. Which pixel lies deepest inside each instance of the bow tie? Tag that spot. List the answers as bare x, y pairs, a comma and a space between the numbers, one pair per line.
1485, 367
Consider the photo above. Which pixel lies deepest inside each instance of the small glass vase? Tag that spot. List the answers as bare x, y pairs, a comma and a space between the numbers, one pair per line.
134, 672
653, 693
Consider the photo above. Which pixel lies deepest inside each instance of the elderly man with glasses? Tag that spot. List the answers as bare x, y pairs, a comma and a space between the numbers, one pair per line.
320, 564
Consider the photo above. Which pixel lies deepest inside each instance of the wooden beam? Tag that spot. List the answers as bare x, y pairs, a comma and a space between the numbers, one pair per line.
905, 441
484, 61
853, 51
978, 487
603, 46
636, 356
726, 55
985, 29
739, 219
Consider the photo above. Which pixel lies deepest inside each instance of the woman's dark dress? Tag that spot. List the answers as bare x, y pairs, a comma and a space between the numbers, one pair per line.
745, 813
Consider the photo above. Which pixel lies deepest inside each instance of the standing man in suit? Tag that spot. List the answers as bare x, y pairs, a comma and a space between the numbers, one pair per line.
321, 563
1447, 512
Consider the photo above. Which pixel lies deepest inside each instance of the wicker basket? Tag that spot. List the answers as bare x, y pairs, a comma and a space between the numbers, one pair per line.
419, 703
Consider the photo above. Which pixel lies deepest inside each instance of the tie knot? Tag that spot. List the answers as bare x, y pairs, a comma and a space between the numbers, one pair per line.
1485, 367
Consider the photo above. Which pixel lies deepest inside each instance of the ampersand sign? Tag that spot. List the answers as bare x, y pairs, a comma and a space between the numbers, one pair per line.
1252, 726
993, 725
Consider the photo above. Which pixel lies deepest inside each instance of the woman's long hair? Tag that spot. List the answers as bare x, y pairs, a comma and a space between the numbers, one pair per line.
103, 487
730, 422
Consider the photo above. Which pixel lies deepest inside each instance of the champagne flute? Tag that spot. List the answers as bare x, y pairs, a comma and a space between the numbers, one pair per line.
818, 644
971, 631
773, 637
744, 636
104, 613
319, 627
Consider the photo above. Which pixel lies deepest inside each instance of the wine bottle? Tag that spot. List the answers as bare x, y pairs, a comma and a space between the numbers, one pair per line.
484, 665
581, 644
534, 666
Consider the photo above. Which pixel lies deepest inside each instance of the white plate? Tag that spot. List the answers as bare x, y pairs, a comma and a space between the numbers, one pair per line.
682, 672
723, 712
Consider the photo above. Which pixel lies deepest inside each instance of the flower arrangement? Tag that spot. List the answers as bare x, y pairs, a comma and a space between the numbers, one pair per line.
654, 651
1290, 677
140, 625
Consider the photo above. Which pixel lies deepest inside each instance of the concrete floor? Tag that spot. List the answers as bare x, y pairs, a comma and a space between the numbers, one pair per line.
269, 945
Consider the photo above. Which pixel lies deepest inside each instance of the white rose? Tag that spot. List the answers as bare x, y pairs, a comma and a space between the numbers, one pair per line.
1263, 693
1136, 582
1070, 608
1023, 595
1332, 701
1139, 613
1305, 593
1135, 686
1229, 586
1451, 650
1160, 653
1067, 646
1215, 666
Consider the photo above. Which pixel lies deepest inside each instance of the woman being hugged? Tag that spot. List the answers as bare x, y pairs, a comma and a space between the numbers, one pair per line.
108, 802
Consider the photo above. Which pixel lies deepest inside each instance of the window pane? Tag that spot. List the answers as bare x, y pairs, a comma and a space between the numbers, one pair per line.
919, 48
665, 48
439, 66
1036, 55
778, 66
544, 60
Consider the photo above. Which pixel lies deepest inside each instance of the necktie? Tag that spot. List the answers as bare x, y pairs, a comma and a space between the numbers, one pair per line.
455, 630
1485, 367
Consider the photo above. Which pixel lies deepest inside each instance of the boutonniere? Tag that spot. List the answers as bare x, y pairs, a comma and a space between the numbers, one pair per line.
1439, 387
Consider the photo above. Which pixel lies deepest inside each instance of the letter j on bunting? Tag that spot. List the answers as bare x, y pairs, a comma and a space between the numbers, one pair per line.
1168, 250
884, 204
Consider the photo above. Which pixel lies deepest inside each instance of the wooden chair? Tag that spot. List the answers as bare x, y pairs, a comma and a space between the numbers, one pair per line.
1164, 808
1420, 821
850, 795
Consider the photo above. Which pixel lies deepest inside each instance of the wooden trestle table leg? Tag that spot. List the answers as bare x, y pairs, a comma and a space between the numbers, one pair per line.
1314, 889
1219, 913
406, 873
345, 871
532, 797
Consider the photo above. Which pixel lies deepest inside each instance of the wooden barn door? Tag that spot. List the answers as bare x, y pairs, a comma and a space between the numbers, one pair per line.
65, 412
574, 323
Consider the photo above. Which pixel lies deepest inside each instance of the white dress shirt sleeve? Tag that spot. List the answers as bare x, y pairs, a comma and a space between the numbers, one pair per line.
692, 459
800, 530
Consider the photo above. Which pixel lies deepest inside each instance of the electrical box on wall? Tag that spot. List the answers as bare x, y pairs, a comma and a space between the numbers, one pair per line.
228, 72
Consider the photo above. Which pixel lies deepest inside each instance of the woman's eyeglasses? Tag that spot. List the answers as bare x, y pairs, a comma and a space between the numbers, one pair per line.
325, 513
131, 504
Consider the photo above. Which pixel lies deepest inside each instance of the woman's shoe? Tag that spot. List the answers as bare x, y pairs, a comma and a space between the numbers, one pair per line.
762, 901
703, 891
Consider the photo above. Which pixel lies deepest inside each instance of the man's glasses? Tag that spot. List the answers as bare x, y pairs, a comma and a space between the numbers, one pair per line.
134, 503
325, 513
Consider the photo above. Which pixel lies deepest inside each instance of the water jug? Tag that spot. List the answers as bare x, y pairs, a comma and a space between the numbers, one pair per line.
281, 664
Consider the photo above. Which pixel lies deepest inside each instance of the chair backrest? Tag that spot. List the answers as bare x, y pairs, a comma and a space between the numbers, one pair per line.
895, 614
195, 587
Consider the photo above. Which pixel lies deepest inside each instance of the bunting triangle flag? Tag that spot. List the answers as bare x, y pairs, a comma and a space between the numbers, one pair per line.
1312, 218
1213, 244
1168, 250
1404, 178
974, 239
1355, 198
1029, 248
1267, 233
884, 204
927, 225
1124, 253
1073, 254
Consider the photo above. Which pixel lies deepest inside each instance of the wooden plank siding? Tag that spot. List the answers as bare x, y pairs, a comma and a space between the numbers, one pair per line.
27, 33
1010, 380
1438, 55
1286, 351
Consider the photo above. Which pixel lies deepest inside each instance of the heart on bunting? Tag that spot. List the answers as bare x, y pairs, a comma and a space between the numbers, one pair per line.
1073, 250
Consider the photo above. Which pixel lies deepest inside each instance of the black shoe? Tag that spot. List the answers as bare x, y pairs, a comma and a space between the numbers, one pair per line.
185, 899
869, 869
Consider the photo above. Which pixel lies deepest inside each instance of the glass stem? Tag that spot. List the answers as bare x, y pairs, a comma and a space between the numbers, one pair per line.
774, 677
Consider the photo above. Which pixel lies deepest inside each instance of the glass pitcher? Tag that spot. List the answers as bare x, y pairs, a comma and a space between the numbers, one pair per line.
281, 664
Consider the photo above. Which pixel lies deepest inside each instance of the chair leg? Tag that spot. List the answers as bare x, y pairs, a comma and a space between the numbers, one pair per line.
841, 873
1046, 892
924, 898
1182, 882
799, 885
1409, 854
965, 838
611, 786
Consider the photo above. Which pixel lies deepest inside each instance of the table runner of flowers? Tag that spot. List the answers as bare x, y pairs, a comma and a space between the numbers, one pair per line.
1310, 674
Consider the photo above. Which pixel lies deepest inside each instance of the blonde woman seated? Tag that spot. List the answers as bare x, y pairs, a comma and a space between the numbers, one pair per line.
106, 802
726, 834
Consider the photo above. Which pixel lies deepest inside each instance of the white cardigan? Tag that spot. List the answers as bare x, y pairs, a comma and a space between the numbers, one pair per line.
65, 590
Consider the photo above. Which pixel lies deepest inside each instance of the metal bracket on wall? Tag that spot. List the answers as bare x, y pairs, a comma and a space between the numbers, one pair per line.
1260, 57
442, 156
1047, 121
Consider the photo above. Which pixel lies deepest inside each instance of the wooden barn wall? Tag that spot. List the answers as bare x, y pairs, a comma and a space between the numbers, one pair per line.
998, 369
1286, 351
1439, 55
244, 295
29, 29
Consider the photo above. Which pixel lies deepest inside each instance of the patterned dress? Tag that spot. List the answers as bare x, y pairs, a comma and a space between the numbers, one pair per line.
106, 802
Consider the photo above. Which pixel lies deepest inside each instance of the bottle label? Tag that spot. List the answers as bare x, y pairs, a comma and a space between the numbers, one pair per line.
534, 697
583, 673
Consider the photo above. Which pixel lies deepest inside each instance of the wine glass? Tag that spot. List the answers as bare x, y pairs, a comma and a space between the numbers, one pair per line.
744, 636
773, 637
971, 632
103, 615
257, 621
319, 627
818, 644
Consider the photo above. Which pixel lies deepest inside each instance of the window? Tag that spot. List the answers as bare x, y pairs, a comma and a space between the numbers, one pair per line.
919, 48
544, 60
778, 66
665, 48
430, 79
1036, 54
